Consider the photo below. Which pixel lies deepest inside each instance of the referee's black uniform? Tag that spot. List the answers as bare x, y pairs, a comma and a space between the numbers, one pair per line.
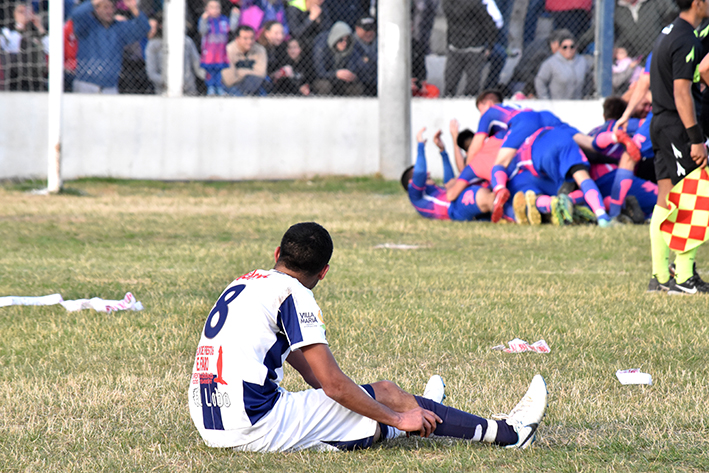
676, 55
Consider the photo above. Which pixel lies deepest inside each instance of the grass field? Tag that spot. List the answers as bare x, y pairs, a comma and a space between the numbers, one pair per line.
88, 391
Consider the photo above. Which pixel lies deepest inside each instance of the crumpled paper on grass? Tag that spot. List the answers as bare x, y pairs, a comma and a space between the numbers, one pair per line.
100, 305
520, 346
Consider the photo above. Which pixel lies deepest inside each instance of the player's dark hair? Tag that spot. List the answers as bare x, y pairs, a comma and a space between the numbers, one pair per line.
613, 108
406, 177
464, 139
684, 5
489, 94
306, 248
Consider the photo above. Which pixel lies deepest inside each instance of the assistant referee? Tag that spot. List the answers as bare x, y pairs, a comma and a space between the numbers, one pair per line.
677, 138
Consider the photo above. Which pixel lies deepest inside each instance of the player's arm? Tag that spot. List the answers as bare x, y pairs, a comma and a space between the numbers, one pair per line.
704, 70
642, 87
298, 361
685, 109
340, 388
457, 154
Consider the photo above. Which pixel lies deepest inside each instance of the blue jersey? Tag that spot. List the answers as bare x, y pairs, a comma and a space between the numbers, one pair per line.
549, 153
430, 200
498, 116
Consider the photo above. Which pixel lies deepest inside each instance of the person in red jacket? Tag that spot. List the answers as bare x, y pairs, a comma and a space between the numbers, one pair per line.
71, 45
574, 15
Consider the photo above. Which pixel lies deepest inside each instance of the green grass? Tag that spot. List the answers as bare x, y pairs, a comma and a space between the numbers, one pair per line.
88, 391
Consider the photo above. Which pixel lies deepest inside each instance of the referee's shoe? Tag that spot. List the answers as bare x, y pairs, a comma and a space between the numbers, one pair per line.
693, 285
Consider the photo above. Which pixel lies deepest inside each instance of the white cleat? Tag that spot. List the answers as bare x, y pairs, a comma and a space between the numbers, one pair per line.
529, 412
435, 389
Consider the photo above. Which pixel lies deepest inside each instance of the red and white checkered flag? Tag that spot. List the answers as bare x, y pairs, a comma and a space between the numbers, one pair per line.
687, 224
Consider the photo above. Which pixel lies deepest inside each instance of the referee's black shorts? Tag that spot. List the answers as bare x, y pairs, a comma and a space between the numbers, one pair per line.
672, 148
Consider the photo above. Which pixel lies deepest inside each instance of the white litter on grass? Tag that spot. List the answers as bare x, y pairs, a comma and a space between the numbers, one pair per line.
397, 246
633, 376
41, 300
96, 303
520, 346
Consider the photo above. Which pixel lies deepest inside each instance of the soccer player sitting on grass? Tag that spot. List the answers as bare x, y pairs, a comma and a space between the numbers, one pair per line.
265, 318
430, 200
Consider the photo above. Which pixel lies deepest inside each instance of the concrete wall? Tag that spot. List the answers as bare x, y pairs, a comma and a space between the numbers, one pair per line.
151, 137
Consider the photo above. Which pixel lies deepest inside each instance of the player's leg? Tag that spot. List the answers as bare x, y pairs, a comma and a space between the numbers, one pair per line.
622, 183
518, 430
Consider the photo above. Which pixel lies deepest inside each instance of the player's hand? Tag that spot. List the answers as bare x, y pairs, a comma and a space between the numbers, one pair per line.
454, 127
418, 420
699, 154
437, 140
419, 135
620, 123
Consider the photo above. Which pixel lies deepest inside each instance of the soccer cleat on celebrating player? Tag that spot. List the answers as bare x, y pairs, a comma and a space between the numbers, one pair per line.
533, 215
582, 214
566, 209
435, 389
622, 137
501, 197
529, 412
519, 205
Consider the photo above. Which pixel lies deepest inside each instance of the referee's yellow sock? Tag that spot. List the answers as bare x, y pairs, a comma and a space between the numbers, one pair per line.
684, 265
658, 247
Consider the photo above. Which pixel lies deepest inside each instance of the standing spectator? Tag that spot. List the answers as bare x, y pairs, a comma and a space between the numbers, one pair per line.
471, 31
154, 62
255, 13
423, 14
349, 11
498, 55
532, 58
27, 43
563, 75
101, 42
331, 56
294, 74
307, 24
133, 78
363, 62
638, 22
214, 29
574, 15
247, 65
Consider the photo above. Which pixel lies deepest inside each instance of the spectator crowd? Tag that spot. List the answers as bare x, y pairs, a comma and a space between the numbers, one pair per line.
328, 47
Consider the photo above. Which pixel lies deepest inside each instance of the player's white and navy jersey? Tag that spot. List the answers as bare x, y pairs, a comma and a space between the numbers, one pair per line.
250, 331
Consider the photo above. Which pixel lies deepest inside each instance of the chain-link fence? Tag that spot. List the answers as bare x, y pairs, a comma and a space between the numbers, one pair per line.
526, 48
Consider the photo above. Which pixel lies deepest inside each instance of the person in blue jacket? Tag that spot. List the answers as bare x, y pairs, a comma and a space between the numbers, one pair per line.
102, 37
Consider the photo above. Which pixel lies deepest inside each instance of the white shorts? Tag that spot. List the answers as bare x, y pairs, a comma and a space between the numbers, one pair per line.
305, 420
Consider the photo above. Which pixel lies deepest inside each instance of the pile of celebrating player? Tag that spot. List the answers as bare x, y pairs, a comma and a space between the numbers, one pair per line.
543, 164
538, 160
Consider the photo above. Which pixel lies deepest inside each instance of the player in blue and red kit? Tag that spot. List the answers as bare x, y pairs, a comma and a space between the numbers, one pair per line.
520, 124
552, 153
430, 200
